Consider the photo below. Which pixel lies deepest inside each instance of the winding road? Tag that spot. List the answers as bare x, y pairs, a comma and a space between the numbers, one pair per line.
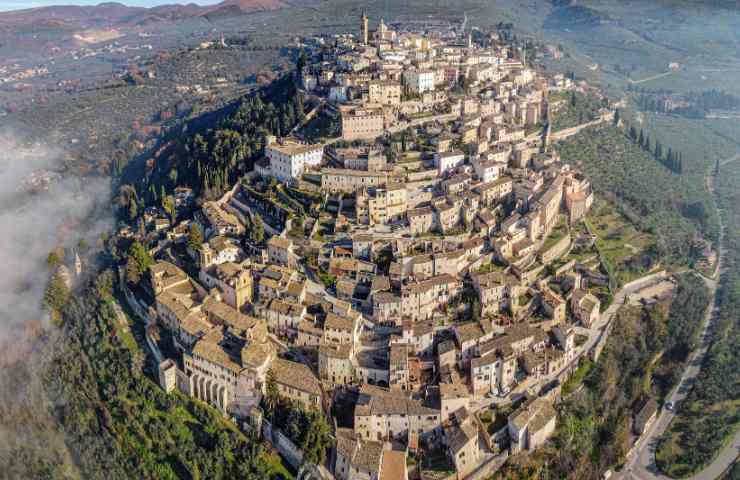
640, 464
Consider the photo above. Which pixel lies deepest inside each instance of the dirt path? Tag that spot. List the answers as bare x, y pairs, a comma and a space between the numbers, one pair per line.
648, 79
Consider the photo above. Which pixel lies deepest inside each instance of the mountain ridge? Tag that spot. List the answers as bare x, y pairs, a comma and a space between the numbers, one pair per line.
115, 14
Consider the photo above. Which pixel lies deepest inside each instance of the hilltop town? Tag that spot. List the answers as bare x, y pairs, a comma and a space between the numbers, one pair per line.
410, 261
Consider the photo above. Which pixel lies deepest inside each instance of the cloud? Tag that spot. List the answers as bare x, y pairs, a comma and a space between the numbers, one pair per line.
33, 223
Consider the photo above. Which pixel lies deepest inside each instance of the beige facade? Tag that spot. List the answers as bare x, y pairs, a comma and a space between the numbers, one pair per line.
233, 281
381, 206
382, 414
531, 425
384, 93
336, 180
362, 123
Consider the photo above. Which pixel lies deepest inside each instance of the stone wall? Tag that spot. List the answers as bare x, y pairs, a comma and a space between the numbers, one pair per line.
283, 444
557, 250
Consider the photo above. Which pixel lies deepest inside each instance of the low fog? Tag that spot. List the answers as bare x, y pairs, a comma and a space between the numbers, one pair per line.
34, 220
32, 223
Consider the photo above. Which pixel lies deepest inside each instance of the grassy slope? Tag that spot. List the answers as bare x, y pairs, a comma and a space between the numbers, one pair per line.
646, 192
120, 424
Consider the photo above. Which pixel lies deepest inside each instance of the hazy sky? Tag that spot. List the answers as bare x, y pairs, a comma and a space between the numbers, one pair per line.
18, 4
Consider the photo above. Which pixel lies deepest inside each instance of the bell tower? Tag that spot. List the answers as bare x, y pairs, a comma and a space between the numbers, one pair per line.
365, 28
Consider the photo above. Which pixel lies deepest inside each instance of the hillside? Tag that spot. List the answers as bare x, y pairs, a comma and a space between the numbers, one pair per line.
117, 15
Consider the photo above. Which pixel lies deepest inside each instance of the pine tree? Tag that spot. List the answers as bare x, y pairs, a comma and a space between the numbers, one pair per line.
271, 392
641, 139
138, 262
633, 133
57, 293
168, 205
616, 117
258, 229
195, 237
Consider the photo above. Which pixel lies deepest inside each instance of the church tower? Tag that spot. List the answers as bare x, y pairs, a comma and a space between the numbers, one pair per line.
206, 256
365, 28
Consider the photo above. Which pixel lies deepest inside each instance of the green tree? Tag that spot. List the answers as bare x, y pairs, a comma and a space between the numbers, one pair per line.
168, 205
57, 293
195, 237
53, 260
258, 229
137, 263
271, 392
616, 117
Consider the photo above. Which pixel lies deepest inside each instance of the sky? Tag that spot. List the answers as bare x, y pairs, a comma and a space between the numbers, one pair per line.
19, 4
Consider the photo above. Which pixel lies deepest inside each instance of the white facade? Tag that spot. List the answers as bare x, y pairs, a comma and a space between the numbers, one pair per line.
488, 171
448, 161
289, 161
419, 81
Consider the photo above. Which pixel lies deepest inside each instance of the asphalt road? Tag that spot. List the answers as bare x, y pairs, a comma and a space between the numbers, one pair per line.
640, 464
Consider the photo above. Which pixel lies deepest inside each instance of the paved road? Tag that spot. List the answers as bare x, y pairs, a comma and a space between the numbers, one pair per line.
640, 464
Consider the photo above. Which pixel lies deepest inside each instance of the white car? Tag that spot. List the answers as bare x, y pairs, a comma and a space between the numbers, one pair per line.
669, 406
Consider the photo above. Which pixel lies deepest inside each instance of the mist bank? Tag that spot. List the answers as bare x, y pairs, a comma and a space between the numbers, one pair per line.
41, 210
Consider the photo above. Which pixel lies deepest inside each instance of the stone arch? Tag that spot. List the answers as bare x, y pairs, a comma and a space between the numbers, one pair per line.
214, 393
194, 385
222, 398
201, 388
208, 391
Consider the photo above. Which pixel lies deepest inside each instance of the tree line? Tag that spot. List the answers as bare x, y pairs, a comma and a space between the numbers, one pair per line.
116, 421
668, 157
210, 152
690, 105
